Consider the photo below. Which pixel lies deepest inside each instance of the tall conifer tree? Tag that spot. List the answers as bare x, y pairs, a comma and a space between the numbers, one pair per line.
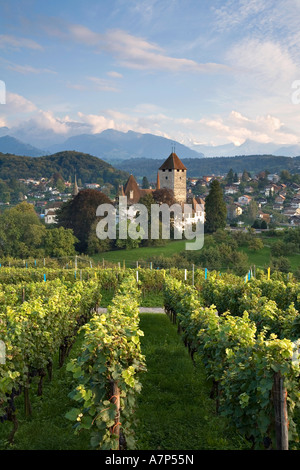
215, 208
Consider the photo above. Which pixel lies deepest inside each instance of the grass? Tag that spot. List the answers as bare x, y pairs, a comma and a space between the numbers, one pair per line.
174, 409
148, 299
262, 258
259, 258
140, 254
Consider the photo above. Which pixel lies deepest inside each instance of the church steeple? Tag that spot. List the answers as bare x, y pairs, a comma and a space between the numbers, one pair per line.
75, 188
157, 181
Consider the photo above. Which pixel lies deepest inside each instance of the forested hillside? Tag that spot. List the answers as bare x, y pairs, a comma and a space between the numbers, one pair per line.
87, 168
198, 167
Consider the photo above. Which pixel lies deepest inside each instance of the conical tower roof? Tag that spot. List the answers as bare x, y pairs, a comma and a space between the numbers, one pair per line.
173, 162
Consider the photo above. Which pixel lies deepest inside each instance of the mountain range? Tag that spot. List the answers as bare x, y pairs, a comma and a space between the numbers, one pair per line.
114, 146
14, 146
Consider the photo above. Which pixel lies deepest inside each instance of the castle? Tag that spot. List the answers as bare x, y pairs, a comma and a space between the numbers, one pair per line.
171, 175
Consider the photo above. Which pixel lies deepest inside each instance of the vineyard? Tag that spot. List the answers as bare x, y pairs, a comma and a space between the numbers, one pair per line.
244, 330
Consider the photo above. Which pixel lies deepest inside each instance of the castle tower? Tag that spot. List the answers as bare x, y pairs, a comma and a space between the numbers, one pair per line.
172, 175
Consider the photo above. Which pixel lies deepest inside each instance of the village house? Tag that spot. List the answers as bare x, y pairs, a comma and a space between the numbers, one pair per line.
230, 190
244, 200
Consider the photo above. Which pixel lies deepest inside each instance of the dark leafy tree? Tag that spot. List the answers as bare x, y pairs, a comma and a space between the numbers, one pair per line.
264, 225
215, 208
79, 214
164, 196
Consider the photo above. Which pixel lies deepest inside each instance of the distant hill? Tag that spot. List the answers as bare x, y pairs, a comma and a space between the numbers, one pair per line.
197, 167
14, 146
112, 145
88, 168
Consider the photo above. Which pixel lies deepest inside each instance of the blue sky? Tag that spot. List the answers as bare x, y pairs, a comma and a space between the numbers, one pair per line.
209, 72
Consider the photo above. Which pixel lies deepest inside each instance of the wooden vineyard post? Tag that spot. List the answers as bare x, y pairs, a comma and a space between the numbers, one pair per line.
115, 429
281, 415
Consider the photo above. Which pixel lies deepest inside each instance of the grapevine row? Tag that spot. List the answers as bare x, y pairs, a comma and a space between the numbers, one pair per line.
242, 358
107, 372
34, 331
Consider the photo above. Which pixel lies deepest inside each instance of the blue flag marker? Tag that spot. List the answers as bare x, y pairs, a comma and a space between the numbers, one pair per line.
45, 277
205, 273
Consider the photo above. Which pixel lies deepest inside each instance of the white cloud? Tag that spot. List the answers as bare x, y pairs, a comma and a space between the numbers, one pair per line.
9, 41
236, 12
237, 128
114, 74
26, 69
102, 84
268, 63
97, 123
18, 104
137, 53
131, 51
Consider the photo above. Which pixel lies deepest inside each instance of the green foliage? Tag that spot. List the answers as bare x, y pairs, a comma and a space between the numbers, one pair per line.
59, 242
34, 327
111, 356
21, 232
242, 351
79, 215
63, 163
23, 235
215, 208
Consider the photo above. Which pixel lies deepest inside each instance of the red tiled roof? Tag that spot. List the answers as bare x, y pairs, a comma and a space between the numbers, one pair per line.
137, 193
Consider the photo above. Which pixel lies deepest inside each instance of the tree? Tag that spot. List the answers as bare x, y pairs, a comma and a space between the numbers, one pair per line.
256, 244
21, 232
252, 211
60, 185
95, 245
281, 264
230, 176
59, 242
128, 243
285, 176
215, 208
79, 214
264, 225
147, 201
145, 183
245, 176
164, 196
55, 178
